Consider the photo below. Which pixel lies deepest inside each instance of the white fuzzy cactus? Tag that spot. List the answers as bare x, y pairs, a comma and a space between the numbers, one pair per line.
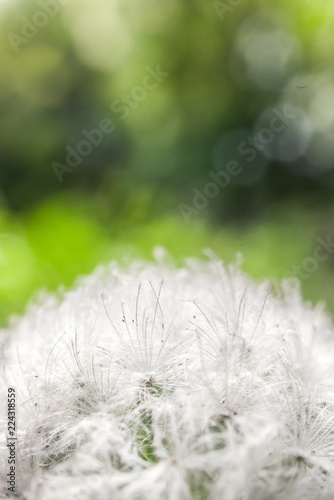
158, 383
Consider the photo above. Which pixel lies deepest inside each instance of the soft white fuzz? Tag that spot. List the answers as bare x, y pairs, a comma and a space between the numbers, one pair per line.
158, 383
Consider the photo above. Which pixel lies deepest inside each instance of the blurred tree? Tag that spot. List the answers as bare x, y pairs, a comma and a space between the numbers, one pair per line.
225, 74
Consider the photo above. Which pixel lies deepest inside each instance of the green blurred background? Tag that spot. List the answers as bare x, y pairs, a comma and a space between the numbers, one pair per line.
221, 69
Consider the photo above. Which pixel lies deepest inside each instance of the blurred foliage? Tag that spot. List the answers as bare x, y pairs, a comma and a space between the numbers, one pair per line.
61, 239
67, 66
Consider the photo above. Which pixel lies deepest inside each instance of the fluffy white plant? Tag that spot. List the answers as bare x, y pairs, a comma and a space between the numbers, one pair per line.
164, 383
